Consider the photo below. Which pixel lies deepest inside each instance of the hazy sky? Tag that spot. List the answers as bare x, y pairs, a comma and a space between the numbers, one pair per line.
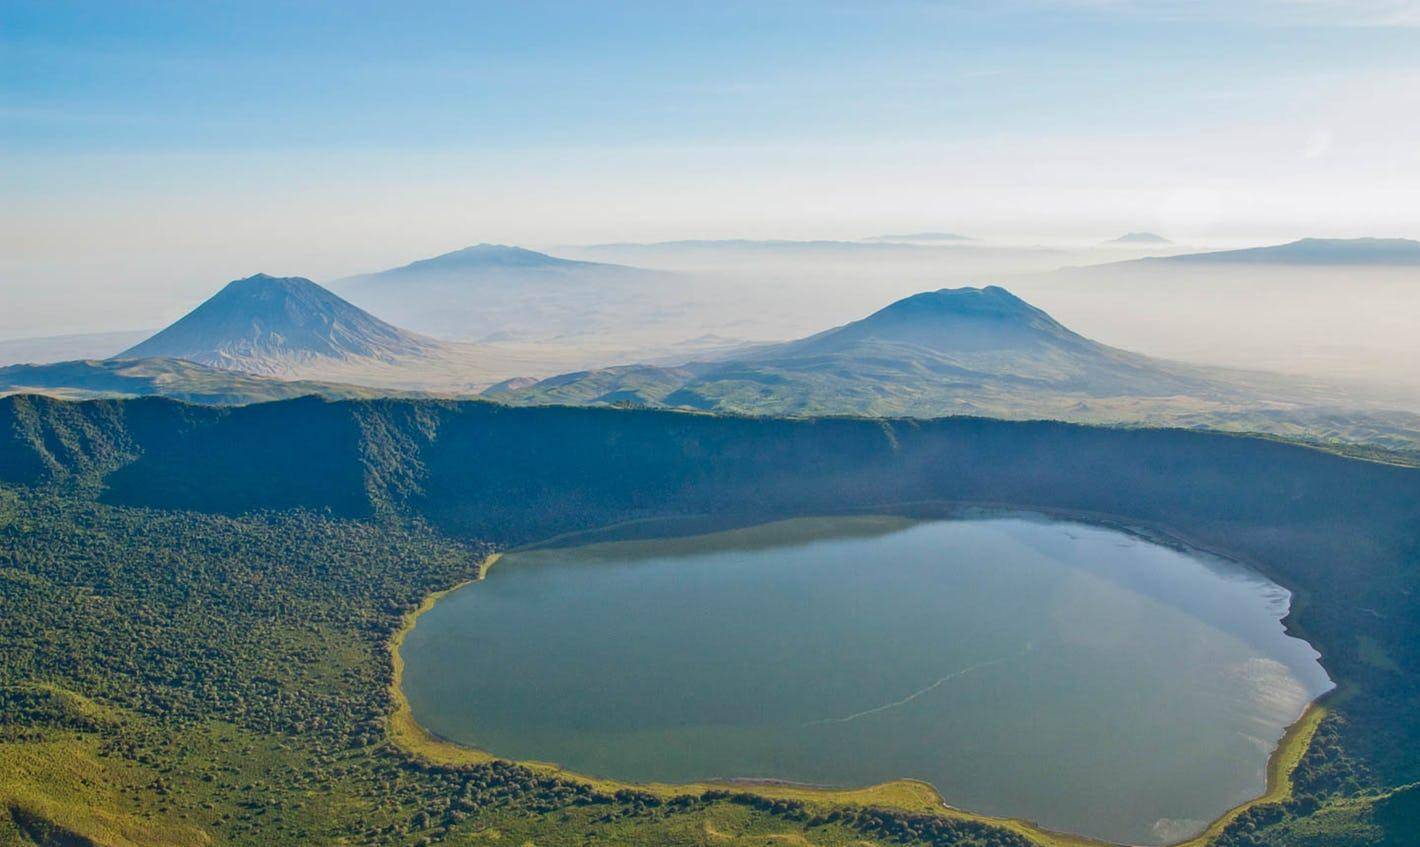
153, 148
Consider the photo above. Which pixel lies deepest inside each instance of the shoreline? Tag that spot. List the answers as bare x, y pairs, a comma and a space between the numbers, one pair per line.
905, 794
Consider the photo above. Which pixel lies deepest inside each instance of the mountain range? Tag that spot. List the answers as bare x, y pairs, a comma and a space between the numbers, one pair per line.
979, 351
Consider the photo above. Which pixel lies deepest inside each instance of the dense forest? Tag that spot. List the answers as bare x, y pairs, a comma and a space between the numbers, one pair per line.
195, 602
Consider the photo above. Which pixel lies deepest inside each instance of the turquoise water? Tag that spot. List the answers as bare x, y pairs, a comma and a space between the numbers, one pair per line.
1077, 676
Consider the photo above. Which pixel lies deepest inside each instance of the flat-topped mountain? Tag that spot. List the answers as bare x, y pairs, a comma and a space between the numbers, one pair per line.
483, 257
1315, 251
495, 290
275, 325
1144, 238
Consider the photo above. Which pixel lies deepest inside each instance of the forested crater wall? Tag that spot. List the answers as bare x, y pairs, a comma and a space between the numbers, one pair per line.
1344, 534
519, 473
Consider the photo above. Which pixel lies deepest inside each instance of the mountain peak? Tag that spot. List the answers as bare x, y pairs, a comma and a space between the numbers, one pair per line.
950, 319
989, 304
264, 324
991, 299
501, 252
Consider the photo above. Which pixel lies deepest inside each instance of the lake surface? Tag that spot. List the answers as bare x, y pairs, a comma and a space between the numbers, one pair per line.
1077, 676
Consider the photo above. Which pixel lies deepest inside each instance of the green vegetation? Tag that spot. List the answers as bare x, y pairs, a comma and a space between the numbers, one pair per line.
236, 685
196, 606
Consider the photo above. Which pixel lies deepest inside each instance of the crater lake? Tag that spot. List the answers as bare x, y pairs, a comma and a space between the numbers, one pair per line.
1078, 676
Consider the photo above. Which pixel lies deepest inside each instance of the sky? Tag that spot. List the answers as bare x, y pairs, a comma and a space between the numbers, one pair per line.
150, 151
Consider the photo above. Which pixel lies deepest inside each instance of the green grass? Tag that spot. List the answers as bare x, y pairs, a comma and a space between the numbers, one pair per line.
1280, 765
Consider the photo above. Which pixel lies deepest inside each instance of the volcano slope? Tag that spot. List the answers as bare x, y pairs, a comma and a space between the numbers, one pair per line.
196, 605
984, 351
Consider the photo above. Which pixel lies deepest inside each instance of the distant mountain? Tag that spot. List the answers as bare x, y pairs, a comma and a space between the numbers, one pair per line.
951, 321
495, 290
1141, 238
1313, 251
175, 378
923, 237
278, 325
486, 257
294, 329
953, 349
980, 351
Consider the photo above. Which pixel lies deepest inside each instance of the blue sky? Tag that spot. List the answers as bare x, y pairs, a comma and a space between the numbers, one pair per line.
163, 77
185, 140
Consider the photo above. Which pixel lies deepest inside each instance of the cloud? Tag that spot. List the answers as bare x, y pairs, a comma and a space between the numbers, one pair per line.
1339, 13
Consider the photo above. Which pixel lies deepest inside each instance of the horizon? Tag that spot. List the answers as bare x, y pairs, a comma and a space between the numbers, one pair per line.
156, 151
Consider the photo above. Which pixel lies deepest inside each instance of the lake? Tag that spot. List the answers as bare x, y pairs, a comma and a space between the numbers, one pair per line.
1078, 676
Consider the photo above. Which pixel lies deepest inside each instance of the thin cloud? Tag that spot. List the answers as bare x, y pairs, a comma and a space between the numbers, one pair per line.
1340, 13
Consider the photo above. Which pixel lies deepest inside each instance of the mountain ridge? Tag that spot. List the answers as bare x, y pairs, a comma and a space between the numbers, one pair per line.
1311, 251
